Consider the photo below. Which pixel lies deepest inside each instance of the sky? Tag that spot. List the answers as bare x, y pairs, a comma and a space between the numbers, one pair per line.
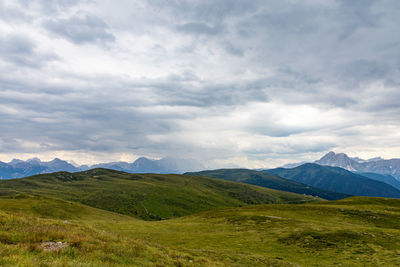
226, 82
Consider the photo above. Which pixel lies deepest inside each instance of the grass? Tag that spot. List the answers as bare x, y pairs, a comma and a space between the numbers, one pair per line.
357, 231
21, 237
320, 234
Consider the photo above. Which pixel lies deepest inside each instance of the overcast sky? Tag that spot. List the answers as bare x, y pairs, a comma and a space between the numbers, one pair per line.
226, 82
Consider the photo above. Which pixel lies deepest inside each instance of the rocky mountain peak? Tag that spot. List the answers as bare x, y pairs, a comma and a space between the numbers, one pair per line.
338, 160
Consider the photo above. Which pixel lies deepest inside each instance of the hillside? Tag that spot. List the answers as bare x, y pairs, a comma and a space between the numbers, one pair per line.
146, 196
269, 181
387, 179
336, 179
356, 231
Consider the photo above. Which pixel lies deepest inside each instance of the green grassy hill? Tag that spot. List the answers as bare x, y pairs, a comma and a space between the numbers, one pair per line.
356, 231
269, 181
146, 196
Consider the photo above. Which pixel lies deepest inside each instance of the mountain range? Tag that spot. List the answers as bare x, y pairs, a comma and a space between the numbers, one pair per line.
337, 180
352, 176
19, 168
375, 165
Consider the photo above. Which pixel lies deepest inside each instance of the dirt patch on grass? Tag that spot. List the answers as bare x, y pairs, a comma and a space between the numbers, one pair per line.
53, 246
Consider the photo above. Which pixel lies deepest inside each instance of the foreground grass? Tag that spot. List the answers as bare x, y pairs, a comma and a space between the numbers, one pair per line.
23, 231
351, 232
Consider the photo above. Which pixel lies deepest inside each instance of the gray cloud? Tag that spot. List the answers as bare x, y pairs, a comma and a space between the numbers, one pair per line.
20, 50
12, 14
233, 50
81, 28
199, 28
50, 7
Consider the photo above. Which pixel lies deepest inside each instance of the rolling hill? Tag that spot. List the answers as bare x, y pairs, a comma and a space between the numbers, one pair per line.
336, 179
269, 181
146, 196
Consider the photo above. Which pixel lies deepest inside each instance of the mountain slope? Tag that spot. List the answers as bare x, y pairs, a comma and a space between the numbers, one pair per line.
336, 179
269, 181
147, 196
387, 179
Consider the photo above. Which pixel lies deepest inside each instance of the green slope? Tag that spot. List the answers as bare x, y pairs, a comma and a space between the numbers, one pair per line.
337, 179
51, 207
355, 231
146, 196
386, 178
269, 181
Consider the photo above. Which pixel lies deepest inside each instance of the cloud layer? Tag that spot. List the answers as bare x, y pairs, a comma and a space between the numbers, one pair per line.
231, 83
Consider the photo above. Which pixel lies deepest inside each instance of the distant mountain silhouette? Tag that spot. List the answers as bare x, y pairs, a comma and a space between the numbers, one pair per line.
18, 168
145, 165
